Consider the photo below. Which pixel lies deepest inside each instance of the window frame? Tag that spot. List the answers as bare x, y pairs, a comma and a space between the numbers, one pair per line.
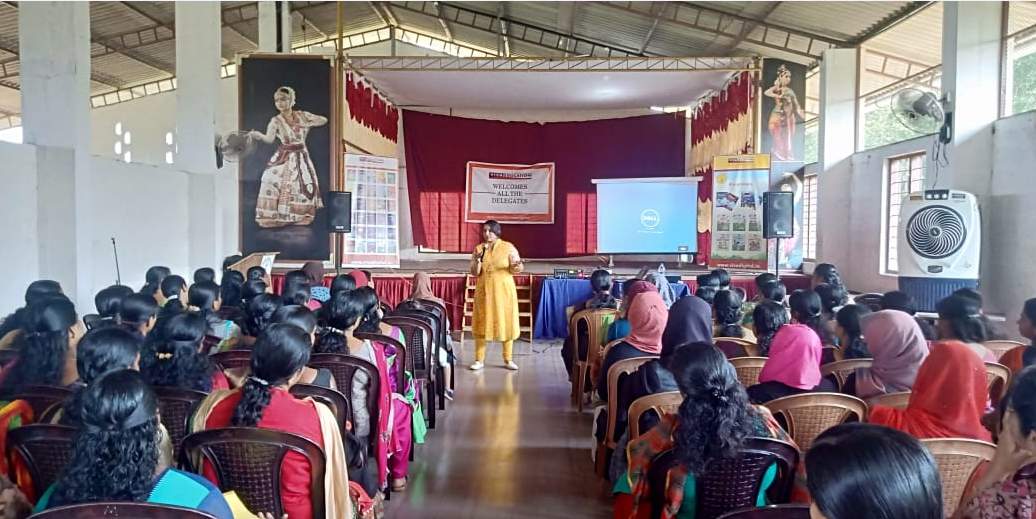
1007, 62
888, 244
810, 235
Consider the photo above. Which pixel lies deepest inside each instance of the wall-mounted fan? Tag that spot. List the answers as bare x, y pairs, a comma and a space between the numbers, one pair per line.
923, 113
233, 147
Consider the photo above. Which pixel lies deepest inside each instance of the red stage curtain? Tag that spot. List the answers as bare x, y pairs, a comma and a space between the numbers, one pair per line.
370, 109
438, 148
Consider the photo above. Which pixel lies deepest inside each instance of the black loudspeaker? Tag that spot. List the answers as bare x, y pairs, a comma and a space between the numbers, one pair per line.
778, 214
340, 211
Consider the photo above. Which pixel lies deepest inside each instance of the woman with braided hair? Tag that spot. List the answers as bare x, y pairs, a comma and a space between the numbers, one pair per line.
47, 345
174, 357
279, 355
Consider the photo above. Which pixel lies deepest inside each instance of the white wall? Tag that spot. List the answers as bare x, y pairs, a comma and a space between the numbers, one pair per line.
19, 254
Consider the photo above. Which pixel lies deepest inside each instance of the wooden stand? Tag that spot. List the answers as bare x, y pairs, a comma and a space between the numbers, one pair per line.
525, 317
256, 259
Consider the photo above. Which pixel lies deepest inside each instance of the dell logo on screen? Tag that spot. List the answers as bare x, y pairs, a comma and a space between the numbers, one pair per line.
650, 218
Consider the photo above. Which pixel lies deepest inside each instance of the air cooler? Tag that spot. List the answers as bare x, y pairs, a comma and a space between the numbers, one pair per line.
940, 237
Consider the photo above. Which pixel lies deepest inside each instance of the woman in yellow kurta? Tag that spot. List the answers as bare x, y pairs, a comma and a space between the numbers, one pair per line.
496, 298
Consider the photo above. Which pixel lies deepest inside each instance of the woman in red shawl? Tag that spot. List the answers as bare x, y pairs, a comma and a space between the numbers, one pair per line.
948, 399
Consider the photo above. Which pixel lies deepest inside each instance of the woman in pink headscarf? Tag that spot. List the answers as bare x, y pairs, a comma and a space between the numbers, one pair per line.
648, 316
898, 346
793, 366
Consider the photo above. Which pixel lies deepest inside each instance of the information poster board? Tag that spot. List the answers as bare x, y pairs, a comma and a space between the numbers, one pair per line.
737, 215
374, 183
510, 193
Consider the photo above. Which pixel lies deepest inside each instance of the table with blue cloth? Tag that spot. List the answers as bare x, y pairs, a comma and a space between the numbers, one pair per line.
558, 294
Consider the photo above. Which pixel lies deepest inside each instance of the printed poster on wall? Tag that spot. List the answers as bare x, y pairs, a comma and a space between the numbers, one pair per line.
737, 213
510, 193
783, 110
789, 176
374, 183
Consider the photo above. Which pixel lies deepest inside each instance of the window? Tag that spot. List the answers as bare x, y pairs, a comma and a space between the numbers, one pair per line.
1019, 58
905, 175
809, 215
812, 120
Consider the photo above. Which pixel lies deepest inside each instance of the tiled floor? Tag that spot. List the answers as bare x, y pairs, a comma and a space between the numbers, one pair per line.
509, 446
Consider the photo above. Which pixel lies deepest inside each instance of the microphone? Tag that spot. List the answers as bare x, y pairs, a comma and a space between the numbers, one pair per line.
115, 252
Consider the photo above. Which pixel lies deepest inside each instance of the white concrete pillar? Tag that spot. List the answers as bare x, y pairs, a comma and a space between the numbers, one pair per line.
836, 145
971, 76
285, 26
54, 48
197, 102
267, 26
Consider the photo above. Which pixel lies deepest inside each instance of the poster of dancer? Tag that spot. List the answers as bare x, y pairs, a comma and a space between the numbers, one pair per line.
783, 110
286, 112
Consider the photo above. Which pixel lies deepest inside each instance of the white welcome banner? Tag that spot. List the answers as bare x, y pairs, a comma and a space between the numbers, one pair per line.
510, 193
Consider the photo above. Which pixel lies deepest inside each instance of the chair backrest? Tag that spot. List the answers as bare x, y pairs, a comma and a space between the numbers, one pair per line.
734, 347
418, 336
401, 359
209, 344
840, 370
45, 449
437, 307
122, 511
333, 399
1000, 347
44, 400
957, 459
385, 307
176, 407
871, 300
898, 400
748, 369
807, 415
620, 368
343, 368
428, 315
831, 354
594, 320
667, 402
998, 377
233, 359
732, 484
770, 512
248, 461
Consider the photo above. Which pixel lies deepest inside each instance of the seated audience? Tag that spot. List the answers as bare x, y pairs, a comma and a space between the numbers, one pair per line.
259, 314
768, 317
205, 300
768, 288
960, 319
230, 261
174, 292
252, 288
205, 274
11, 326
47, 345
601, 284
727, 311
865, 471
362, 278
258, 273
712, 424
314, 271
231, 298
109, 304
723, 277
101, 350
620, 327
792, 367
993, 332
664, 288
1023, 356
153, 283
139, 313
1007, 488
708, 285
831, 300
264, 401
647, 316
173, 357
898, 349
828, 273
947, 400
896, 300
303, 319
807, 309
343, 282
345, 312
296, 290
849, 331
115, 455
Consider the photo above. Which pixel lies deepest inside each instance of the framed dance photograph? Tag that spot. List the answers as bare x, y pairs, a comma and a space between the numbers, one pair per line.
784, 110
286, 110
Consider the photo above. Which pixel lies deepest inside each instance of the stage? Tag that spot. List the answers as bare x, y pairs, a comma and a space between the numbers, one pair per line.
550, 296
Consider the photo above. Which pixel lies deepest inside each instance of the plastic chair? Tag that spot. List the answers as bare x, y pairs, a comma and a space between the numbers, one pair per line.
748, 369
957, 459
437, 324
593, 357
661, 403
734, 347
840, 370
732, 484
999, 379
233, 359
333, 399
45, 401
176, 407
343, 368
870, 300
401, 358
898, 400
807, 415
999, 348
248, 461
420, 340
605, 448
122, 511
594, 320
770, 512
44, 450
831, 354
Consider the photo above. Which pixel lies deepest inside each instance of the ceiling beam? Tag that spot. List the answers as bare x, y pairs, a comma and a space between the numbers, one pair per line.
657, 8
155, 20
445, 26
705, 7
747, 28
307, 21
377, 11
501, 16
567, 20
888, 22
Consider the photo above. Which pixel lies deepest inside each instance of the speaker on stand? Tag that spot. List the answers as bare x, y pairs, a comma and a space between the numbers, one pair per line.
339, 221
778, 220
